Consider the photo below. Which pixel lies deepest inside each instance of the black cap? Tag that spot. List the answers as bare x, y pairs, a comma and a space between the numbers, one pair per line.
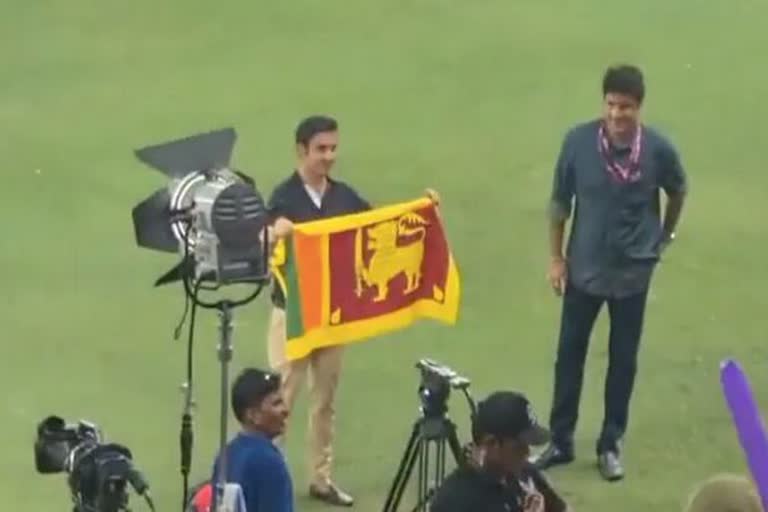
508, 414
252, 386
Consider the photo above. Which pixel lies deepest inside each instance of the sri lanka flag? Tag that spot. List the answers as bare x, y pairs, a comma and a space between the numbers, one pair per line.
352, 277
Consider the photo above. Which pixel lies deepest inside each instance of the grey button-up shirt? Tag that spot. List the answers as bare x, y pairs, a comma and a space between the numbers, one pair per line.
615, 237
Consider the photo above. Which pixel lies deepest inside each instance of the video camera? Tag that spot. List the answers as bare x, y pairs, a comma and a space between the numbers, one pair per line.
437, 380
432, 436
98, 472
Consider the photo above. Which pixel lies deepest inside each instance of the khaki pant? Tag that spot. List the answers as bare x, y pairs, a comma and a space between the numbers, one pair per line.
324, 366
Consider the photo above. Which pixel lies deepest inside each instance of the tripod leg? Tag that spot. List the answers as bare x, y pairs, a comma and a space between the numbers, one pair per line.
412, 450
453, 442
430, 474
423, 484
440, 474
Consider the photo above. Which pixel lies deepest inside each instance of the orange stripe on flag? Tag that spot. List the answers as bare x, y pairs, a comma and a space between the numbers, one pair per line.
309, 250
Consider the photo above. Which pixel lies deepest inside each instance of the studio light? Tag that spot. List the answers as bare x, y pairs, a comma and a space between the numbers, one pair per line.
210, 213
215, 218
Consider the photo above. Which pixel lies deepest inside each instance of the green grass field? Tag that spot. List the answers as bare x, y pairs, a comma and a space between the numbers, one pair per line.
471, 98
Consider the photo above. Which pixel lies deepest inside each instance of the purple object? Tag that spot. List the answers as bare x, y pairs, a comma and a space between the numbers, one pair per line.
749, 424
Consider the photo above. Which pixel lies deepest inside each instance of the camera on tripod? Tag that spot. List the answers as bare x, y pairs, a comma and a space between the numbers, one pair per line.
437, 380
432, 436
98, 472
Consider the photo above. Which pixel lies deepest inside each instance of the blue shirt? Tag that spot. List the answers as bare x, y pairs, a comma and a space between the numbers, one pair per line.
254, 462
616, 233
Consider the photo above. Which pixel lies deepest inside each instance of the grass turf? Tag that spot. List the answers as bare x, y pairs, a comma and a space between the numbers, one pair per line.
469, 97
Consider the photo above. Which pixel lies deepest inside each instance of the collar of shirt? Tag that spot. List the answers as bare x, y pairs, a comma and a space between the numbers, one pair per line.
256, 435
298, 180
315, 195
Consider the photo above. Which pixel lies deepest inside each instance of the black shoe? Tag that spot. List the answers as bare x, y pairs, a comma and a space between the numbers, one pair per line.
609, 464
552, 456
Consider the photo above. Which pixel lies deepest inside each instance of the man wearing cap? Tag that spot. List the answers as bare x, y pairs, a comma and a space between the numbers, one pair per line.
500, 478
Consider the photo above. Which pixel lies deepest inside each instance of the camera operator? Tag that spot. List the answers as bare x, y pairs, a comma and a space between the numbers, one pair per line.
499, 477
253, 461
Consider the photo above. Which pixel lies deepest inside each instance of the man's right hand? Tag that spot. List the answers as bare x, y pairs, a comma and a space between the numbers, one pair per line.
557, 275
534, 504
534, 500
282, 228
433, 195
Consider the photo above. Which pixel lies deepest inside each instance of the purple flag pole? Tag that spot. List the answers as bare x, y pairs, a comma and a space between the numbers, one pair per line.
749, 424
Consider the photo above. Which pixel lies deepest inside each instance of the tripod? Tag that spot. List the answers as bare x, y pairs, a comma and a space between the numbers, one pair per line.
428, 432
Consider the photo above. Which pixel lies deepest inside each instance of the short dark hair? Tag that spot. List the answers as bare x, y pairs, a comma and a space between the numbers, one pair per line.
624, 79
250, 388
508, 415
312, 125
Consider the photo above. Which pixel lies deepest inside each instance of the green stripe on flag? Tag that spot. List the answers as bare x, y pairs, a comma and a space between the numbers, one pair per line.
294, 321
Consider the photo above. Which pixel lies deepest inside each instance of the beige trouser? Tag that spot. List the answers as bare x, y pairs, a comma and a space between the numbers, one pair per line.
324, 367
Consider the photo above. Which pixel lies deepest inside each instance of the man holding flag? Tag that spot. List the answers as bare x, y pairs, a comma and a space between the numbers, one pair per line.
309, 194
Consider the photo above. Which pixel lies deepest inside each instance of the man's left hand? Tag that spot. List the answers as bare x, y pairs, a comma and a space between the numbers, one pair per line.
666, 240
433, 195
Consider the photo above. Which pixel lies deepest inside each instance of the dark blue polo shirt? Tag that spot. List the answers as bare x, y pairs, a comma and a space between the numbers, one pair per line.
254, 462
291, 200
616, 231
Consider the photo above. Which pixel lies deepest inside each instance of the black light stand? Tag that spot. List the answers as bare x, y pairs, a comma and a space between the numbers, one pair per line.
224, 308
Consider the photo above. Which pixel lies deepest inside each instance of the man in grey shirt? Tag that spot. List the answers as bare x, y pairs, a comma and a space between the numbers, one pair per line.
612, 170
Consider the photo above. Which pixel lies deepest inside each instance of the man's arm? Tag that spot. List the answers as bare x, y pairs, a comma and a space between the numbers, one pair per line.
556, 237
552, 500
359, 203
672, 212
674, 182
557, 267
563, 190
279, 226
277, 204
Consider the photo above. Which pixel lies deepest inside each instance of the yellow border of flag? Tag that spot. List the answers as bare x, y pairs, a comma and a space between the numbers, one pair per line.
330, 335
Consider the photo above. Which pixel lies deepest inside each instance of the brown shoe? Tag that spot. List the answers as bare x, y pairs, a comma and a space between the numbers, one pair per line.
331, 495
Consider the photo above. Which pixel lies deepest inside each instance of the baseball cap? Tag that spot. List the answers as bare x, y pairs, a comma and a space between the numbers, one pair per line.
251, 387
508, 414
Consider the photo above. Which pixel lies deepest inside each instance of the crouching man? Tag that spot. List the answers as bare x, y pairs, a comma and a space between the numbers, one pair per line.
498, 476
